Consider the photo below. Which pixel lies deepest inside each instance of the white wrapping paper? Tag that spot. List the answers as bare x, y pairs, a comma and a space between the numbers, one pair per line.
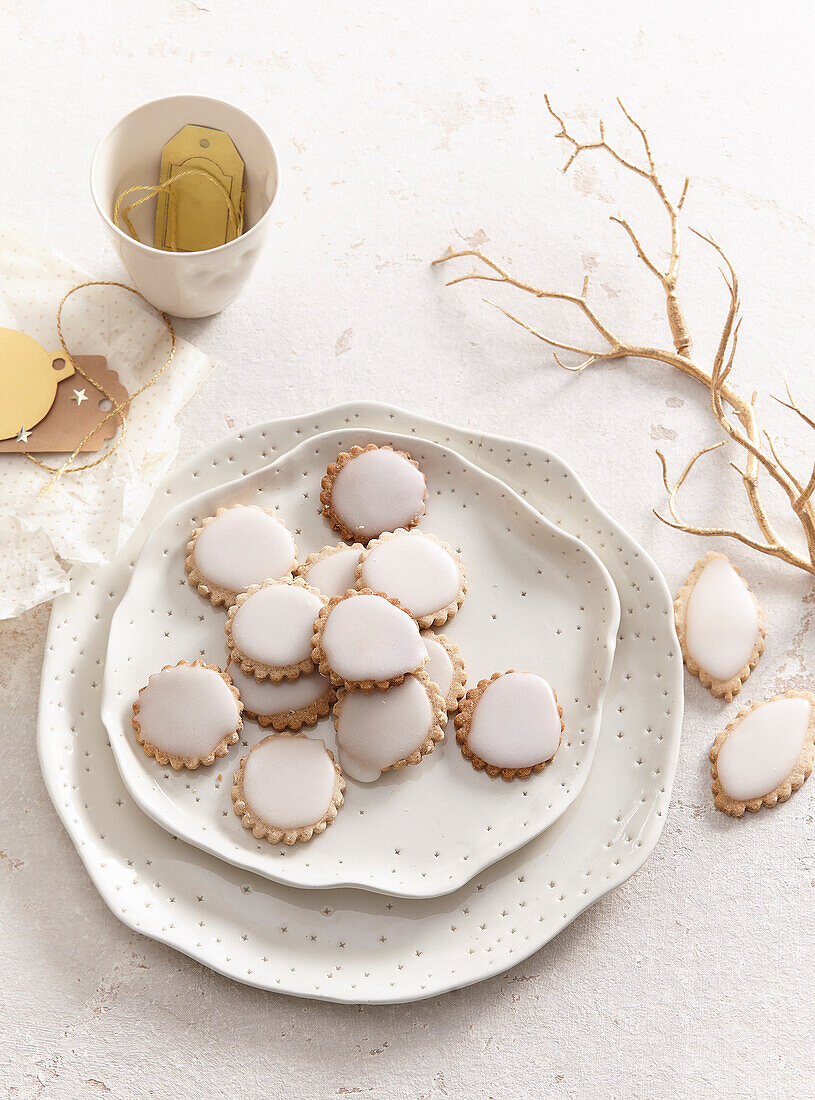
89, 515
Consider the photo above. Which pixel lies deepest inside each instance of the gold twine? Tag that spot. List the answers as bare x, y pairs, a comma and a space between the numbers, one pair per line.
117, 407
235, 214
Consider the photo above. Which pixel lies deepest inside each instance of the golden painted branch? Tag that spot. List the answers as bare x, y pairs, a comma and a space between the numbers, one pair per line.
744, 431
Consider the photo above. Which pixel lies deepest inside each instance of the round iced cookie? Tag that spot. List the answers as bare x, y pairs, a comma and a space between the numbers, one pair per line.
765, 753
424, 574
719, 625
332, 570
269, 628
445, 667
238, 547
366, 640
383, 730
288, 788
187, 714
372, 489
510, 725
286, 705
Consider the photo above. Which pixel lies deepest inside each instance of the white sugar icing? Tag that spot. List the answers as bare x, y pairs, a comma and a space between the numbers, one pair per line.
243, 546
722, 621
289, 782
274, 625
267, 699
762, 750
187, 711
439, 667
515, 723
378, 491
367, 638
422, 575
335, 573
375, 730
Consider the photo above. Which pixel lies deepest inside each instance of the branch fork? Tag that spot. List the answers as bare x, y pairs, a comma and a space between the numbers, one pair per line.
742, 427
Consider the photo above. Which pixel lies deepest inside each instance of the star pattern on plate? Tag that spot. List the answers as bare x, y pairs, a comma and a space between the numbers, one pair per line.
79, 396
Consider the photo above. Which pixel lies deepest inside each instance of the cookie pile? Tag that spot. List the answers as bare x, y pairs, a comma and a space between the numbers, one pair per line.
348, 627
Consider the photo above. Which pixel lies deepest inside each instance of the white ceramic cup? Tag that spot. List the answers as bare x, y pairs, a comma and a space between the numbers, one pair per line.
186, 284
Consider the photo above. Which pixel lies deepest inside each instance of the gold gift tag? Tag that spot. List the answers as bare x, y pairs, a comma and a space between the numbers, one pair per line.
29, 376
197, 216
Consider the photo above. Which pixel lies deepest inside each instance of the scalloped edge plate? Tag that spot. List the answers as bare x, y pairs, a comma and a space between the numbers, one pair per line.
355, 946
538, 599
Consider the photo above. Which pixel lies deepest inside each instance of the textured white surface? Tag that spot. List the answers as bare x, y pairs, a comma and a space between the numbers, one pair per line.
399, 134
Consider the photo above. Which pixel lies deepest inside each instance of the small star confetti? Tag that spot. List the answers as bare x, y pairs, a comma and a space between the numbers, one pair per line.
23, 436
79, 396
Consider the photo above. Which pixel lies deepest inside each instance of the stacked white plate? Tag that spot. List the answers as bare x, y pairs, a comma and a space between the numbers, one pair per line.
435, 876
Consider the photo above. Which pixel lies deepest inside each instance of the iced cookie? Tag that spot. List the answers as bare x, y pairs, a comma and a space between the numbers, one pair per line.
719, 625
287, 705
445, 668
380, 731
510, 725
765, 753
366, 640
372, 489
424, 574
269, 629
332, 570
236, 548
288, 788
187, 714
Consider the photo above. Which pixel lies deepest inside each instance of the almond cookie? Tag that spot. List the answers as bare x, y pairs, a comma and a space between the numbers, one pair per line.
719, 625
423, 573
372, 489
269, 628
366, 640
238, 547
377, 732
286, 705
445, 668
187, 714
288, 788
765, 753
510, 725
332, 570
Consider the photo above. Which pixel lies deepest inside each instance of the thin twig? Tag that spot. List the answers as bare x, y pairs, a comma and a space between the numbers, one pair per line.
748, 436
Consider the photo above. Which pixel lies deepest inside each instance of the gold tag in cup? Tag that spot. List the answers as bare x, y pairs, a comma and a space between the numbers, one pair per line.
210, 171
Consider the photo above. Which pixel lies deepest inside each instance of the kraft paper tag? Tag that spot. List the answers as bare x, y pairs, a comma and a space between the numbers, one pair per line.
200, 217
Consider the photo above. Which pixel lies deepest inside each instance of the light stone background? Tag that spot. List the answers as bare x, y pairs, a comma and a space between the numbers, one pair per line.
402, 129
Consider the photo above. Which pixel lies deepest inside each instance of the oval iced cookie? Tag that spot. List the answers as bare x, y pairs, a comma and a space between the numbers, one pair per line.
366, 640
332, 570
288, 788
377, 732
269, 628
424, 574
187, 714
719, 625
372, 489
286, 705
236, 548
445, 667
510, 725
765, 753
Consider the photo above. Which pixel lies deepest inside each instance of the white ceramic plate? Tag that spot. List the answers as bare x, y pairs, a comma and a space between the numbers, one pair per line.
537, 600
348, 945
